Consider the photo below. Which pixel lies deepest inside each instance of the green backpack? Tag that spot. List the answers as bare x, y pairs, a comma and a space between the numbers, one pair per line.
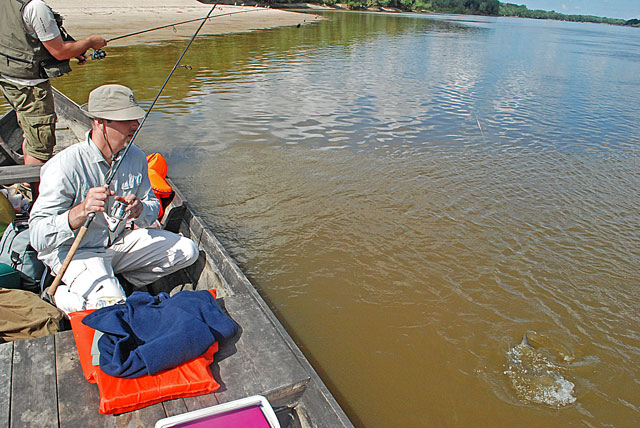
17, 252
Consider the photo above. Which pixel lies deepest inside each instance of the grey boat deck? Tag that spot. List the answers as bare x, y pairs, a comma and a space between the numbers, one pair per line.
42, 384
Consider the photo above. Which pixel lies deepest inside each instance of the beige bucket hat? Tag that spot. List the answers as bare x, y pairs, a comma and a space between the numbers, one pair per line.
113, 102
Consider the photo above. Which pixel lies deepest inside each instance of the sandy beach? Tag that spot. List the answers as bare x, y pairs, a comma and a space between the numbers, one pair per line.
119, 17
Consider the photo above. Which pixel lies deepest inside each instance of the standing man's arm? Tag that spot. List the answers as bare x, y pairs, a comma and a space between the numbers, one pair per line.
39, 19
67, 50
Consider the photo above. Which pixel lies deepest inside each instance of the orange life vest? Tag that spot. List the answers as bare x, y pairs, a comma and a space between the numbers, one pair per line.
157, 176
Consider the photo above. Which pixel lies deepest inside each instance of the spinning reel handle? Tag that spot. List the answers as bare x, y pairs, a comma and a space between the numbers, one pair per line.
97, 54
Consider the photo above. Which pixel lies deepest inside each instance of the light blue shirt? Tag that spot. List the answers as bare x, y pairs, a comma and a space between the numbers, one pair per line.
65, 181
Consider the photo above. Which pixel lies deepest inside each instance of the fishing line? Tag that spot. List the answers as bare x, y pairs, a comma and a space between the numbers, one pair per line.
183, 22
114, 168
480, 127
175, 66
101, 54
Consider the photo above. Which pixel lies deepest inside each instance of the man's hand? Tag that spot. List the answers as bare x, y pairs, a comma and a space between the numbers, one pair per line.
97, 42
134, 206
94, 202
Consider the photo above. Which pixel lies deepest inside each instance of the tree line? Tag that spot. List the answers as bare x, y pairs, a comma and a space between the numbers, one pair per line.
473, 7
510, 9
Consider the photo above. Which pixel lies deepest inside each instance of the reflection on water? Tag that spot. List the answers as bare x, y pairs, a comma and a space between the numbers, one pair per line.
412, 193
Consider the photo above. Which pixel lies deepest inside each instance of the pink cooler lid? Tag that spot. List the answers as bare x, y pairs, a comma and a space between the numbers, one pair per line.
247, 417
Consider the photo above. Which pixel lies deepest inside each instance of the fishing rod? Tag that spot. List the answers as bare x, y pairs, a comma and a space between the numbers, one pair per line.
180, 23
114, 167
98, 54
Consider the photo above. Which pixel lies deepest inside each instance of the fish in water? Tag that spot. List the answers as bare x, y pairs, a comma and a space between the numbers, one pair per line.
535, 378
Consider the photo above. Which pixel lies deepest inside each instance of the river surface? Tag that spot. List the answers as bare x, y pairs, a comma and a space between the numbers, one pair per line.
413, 194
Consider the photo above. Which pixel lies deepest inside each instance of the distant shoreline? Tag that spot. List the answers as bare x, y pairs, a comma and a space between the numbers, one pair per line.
507, 10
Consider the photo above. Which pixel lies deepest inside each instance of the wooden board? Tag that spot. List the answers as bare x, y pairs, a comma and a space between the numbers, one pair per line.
6, 365
9, 156
10, 139
74, 389
19, 174
33, 386
175, 407
79, 400
256, 361
259, 360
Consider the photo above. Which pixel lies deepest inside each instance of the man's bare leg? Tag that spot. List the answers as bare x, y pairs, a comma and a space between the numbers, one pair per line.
30, 160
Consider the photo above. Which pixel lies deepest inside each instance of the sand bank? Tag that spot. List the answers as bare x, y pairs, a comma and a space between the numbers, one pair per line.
114, 18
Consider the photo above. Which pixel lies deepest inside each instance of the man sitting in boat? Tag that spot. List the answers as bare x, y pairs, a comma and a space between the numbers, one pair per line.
33, 48
72, 187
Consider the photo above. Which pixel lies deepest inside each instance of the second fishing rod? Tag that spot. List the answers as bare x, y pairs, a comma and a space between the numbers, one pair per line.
115, 164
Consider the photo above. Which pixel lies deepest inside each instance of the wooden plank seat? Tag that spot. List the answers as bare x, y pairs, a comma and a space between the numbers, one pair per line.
19, 174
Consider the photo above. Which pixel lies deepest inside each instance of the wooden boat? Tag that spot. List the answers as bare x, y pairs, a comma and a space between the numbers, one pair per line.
41, 379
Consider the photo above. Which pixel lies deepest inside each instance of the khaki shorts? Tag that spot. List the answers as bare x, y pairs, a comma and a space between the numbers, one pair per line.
36, 115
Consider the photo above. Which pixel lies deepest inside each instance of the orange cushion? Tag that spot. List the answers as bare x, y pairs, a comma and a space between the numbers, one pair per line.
119, 395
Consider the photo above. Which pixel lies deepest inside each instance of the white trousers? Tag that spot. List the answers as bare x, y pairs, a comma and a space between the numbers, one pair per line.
141, 256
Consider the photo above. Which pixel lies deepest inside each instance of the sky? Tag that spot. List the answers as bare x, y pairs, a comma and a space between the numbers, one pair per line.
626, 9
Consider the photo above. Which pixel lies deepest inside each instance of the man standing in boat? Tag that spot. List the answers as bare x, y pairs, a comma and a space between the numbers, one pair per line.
33, 49
72, 187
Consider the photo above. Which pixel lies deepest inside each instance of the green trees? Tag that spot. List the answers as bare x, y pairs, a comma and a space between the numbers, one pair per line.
477, 7
510, 9
474, 7
480, 7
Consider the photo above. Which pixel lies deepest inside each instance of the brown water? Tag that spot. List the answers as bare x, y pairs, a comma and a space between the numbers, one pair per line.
413, 194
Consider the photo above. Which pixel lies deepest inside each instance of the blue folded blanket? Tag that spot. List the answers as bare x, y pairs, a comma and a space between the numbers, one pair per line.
148, 334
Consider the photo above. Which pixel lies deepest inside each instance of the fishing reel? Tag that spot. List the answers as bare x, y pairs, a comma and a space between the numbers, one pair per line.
118, 215
97, 54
